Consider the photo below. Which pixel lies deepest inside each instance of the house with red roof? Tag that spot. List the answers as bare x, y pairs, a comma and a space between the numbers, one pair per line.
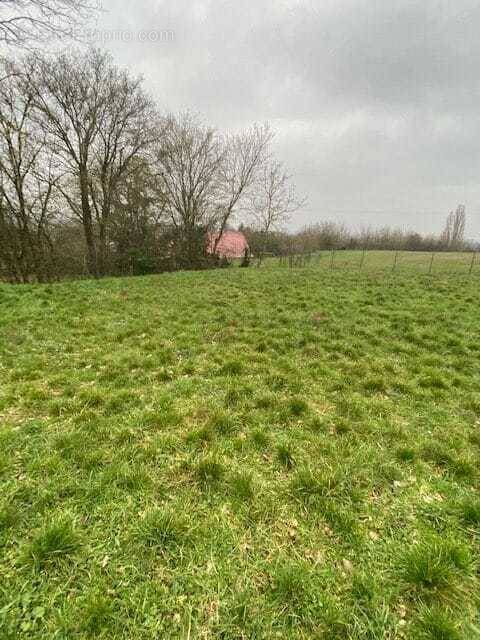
232, 244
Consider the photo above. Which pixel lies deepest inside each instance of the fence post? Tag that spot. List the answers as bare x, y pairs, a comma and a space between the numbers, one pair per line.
472, 264
431, 263
395, 261
362, 261
332, 259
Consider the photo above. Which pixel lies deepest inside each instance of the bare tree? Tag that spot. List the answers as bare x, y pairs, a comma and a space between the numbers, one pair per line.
69, 99
188, 159
128, 128
448, 231
28, 176
458, 230
206, 178
244, 156
96, 119
453, 235
26, 23
273, 201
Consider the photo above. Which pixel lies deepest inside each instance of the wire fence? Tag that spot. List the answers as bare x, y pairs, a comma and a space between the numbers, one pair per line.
387, 261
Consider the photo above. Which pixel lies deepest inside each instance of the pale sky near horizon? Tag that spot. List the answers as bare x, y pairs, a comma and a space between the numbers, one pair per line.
375, 102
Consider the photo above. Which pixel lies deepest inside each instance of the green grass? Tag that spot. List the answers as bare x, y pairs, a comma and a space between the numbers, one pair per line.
244, 453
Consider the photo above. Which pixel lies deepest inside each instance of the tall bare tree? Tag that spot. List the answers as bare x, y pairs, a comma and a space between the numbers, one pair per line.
68, 97
453, 234
27, 23
28, 176
273, 201
128, 128
245, 154
96, 119
188, 159
206, 178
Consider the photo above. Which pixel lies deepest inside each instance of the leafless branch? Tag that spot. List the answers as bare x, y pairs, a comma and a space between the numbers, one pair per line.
29, 23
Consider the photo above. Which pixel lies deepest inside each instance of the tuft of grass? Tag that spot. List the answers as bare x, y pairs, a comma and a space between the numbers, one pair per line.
364, 589
209, 471
342, 427
56, 541
96, 614
433, 567
405, 454
469, 512
310, 487
294, 592
260, 439
266, 401
223, 424
433, 381
232, 368
240, 608
8, 517
233, 397
285, 456
126, 477
161, 529
241, 486
204, 435
298, 407
434, 624
375, 385
443, 459
463, 470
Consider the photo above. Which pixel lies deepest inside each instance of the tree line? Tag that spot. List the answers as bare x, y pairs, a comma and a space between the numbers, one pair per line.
96, 180
332, 235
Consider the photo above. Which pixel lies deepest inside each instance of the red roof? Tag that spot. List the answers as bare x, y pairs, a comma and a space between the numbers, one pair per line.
232, 244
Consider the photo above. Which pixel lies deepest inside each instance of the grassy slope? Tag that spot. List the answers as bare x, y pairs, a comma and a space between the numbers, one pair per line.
242, 454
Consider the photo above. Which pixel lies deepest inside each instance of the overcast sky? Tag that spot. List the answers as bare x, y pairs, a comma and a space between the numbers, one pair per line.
376, 103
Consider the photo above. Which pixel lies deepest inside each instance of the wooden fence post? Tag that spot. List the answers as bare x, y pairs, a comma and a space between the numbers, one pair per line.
431, 263
395, 261
472, 264
362, 261
332, 259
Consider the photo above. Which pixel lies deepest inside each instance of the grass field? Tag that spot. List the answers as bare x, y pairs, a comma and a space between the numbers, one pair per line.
249, 453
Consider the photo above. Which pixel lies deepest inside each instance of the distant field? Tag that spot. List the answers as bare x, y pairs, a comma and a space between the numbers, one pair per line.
243, 453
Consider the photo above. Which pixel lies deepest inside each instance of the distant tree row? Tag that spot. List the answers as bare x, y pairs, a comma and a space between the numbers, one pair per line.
95, 180
331, 235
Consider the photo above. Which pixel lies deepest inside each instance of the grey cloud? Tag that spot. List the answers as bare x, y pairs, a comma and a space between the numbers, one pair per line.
375, 102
